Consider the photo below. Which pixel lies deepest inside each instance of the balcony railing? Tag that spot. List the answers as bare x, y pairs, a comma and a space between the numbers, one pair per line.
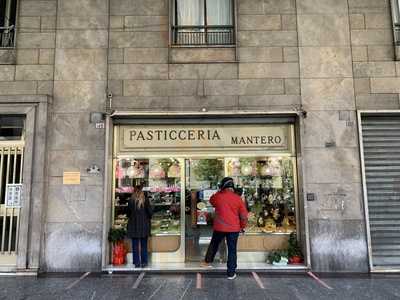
7, 36
203, 35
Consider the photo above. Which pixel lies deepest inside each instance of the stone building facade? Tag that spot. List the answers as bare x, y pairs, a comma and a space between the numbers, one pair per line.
322, 61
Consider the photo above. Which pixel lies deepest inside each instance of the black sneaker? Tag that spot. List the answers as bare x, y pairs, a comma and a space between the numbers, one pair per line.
144, 266
232, 277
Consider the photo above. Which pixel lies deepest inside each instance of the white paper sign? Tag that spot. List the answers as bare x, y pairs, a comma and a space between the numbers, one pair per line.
14, 195
208, 193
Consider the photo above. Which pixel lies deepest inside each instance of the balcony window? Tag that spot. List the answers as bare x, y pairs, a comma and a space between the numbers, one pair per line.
8, 9
203, 22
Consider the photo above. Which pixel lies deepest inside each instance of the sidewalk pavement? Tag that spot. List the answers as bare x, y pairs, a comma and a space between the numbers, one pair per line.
247, 286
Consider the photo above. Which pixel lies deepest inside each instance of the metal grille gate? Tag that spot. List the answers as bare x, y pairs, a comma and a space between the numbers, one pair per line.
381, 144
11, 167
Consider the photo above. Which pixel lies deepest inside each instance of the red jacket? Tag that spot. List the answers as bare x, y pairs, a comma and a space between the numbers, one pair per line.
230, 211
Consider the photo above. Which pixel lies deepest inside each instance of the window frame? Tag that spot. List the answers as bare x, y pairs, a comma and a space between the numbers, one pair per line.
395, 12
173, 29
9, 29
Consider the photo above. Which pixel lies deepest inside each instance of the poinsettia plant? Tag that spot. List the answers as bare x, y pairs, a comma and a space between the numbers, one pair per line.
116, 234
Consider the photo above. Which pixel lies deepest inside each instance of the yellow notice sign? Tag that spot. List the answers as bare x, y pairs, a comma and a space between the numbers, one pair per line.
72, 178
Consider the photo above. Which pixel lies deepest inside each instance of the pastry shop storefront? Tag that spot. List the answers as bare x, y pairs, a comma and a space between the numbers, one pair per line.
179, 164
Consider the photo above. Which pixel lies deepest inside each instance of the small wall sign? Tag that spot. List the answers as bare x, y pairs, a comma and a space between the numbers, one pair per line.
70, 178
14, 195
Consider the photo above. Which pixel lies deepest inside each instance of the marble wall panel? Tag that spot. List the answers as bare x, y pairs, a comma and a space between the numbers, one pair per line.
267, 38
74, 132
74, 203
78, 96
203, 71
132, 39
36, 40
328, 30
38, 8
207, 102
244, 87
69, 39
202, 55
83, 22
332, 165
321, 7
18, 87
338, 246
268, 70
260, 54
81, 64
7, 56
376, 37
321, 127
148, 103
268, 101
73, 246
328, 94
374, 69
145, 55
138, 71
325, 62
259, 22
74, 8
34, 72
7, 72
336, 201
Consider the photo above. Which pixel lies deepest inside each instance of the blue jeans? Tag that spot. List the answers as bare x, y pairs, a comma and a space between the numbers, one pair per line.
231, 241
143, 251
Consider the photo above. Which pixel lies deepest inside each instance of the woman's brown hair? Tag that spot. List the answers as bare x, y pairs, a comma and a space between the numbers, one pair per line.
138, 196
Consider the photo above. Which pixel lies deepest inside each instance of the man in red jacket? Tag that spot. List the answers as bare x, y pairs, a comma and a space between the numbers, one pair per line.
230, 219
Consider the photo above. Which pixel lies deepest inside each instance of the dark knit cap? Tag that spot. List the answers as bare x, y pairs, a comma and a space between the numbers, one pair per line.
226, 182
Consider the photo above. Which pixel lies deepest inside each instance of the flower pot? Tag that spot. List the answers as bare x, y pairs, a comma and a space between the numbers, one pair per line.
295, 260
119, 253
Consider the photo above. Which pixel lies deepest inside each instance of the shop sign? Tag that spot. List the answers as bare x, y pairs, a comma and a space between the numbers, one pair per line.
228, 136
14, 195
70, 178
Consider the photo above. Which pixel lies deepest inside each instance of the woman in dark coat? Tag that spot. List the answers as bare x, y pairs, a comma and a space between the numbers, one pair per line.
139, 225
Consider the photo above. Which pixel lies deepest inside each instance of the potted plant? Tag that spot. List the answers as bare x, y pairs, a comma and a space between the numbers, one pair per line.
294, 250
116, 236
278, 258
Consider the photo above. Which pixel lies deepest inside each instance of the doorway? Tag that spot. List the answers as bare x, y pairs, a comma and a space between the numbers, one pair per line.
201, 182
11, 180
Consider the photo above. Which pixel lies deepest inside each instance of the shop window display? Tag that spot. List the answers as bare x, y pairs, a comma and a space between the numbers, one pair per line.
161, 179
265, 183
267, 186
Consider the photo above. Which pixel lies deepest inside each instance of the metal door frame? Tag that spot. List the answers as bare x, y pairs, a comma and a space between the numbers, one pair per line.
30, 241
360, 114
8, 149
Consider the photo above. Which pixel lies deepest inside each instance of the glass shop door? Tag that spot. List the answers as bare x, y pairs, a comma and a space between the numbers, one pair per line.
201, 181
